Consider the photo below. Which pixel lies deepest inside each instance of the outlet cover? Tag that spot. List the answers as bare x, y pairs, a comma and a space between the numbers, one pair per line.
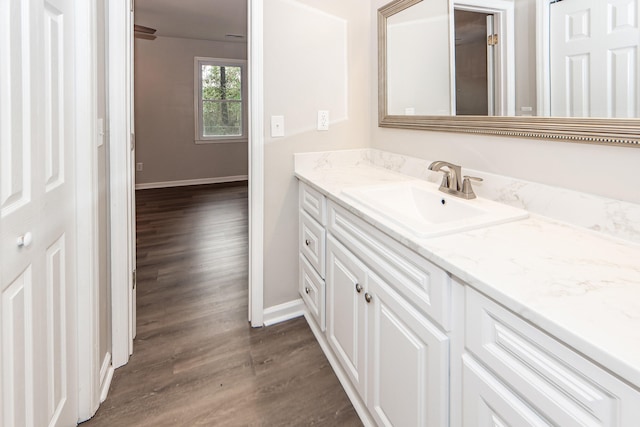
323, 120
277, 126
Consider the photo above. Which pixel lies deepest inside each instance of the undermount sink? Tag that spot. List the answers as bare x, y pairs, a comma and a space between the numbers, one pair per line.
424, 211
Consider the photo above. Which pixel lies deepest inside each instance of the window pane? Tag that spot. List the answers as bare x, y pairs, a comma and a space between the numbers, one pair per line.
221, 118
221, 82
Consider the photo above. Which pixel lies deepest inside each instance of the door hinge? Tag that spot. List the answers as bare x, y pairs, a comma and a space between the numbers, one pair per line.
132, 5
134, 279
492, 40
133, 141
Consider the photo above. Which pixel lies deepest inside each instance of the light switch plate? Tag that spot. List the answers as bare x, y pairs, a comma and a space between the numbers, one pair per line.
277, 126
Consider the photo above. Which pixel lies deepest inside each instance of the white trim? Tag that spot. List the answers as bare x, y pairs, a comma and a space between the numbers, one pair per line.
346, 383
283, 312
543, 75
186, 182
86, 158
106, 375
198, 61
505, 69
119, 107
256, 162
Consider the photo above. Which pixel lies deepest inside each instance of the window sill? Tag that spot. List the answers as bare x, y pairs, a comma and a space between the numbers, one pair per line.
220, 141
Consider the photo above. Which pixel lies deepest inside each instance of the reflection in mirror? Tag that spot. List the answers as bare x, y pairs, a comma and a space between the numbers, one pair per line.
418, 51
569, 58
531, 87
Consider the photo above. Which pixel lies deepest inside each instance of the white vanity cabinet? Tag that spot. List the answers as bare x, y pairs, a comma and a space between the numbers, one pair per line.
394, 355
311, 245
515, 374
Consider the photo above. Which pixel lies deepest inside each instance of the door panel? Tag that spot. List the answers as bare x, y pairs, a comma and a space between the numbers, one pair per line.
345, 311
407, 353
37, 214
594, 58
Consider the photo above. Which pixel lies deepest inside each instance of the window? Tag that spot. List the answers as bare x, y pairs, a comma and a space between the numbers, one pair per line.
220, 95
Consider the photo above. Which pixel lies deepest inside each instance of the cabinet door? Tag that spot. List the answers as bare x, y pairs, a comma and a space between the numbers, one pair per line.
408, 360
346, 321
487, 402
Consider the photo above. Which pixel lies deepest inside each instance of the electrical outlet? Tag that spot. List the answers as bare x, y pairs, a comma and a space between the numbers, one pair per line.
323, 120
139, 166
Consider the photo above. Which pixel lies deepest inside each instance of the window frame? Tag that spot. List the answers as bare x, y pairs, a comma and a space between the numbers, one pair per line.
200, 138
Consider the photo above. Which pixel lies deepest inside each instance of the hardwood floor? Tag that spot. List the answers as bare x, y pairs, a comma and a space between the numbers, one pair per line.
196, 360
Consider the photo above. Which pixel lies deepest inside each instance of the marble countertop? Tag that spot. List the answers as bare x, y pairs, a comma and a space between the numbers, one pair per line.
581, 286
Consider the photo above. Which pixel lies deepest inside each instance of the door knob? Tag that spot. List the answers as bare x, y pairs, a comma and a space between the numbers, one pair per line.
307, 242
306, 290
367, 297
358, 288
25, 240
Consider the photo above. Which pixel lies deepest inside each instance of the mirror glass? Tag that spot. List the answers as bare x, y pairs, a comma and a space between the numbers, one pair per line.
546, 58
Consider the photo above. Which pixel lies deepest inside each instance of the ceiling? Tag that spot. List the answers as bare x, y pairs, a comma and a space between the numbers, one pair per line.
194, 19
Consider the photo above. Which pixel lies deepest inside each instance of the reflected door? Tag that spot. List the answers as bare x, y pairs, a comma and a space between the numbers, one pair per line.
594, 58
37, 214
475, 63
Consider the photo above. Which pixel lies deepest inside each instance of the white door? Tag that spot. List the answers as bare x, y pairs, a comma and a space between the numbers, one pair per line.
405, 352
37, 214
594, 58
346, 319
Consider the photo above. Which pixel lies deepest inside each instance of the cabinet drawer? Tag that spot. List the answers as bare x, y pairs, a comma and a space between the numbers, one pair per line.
312, 242
313, 203
567, 388
312, 290
422, 283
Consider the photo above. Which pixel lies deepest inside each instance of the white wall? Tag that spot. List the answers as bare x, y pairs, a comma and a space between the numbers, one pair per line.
606, 171
164, 111
317, 57
425, 25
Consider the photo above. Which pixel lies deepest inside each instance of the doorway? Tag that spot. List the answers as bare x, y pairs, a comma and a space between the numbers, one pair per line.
474, 59
484, 70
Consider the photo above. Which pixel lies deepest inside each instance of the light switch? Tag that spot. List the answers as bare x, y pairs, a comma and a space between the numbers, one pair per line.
277, 126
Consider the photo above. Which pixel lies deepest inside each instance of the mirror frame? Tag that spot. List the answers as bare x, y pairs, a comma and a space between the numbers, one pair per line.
615, 132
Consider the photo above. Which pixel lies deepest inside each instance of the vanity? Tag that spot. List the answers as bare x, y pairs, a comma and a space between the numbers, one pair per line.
517, 319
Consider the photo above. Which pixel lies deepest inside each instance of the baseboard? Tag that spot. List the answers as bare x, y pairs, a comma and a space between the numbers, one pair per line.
199, 181
348, 387
106, 375
283, 312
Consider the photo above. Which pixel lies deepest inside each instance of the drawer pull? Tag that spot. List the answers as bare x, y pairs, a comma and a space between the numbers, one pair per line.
367, 297
306, 290
307, 242
358, 288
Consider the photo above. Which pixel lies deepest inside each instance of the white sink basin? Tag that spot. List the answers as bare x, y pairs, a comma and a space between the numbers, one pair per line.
423, 210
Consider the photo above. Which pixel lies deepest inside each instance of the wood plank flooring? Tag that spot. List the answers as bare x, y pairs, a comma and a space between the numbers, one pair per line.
196, 360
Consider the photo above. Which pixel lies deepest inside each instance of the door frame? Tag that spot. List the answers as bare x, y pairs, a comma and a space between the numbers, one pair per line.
86, 144
543, 50
505, 69
120, 72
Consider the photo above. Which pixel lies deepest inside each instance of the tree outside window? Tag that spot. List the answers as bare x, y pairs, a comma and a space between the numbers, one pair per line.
220, 92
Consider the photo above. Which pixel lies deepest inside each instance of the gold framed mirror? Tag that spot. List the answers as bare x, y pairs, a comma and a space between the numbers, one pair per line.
508, 118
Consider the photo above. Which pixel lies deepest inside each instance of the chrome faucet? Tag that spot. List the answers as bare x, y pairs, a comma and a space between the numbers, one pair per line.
451, 180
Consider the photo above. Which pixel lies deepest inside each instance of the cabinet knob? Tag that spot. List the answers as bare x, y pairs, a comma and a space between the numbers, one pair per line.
25, 240
358, 288
306, 290
307, 242
367, 297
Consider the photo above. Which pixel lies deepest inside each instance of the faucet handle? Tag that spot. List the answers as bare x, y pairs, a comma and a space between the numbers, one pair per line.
467, 191
446, 177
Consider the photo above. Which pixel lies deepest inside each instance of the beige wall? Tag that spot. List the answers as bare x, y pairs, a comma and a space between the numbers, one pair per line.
164, 111
317, 57
606, 171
